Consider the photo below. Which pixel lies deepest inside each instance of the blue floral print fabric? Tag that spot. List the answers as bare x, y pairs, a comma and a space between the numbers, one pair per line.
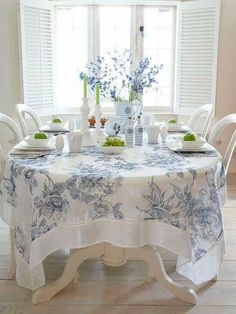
145, 185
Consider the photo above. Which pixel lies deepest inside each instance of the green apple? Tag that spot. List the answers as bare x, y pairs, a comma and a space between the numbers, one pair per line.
173, 120
190, 137
40, 136
57, 120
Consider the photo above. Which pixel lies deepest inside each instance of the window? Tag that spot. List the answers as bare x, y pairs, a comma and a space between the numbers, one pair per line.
112, 30
71, 53
58, 39
159, 43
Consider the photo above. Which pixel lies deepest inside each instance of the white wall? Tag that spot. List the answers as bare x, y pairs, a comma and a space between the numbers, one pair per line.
226, 83
9, 61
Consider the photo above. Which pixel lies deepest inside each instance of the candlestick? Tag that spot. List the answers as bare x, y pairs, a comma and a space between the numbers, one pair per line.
88, 138
85, 86
97, 94
99, 133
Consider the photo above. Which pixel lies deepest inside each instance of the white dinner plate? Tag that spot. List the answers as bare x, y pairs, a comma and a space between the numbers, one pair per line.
25, 146
178, 128
177, 147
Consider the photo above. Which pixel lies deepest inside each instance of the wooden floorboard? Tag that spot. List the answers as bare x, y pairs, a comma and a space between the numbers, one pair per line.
105, 290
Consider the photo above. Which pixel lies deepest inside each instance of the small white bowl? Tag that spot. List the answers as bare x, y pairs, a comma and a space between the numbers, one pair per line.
193, 144
31, 141
112, 150
57, 126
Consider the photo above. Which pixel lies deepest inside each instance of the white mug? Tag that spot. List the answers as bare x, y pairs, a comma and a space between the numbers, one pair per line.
153, 132
74, 141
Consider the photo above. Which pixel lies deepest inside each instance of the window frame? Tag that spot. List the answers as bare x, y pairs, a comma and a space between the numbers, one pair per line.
136, 43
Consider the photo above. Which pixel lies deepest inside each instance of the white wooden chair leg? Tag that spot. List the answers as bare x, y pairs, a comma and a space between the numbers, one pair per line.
76, 258
154, 261
11, 272
216, 278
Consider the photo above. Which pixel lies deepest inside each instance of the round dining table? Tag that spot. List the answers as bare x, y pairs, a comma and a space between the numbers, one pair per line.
117, 207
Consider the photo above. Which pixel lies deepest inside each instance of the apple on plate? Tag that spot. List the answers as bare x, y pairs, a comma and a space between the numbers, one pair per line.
190, 136
40, 136
173, 121
57, 120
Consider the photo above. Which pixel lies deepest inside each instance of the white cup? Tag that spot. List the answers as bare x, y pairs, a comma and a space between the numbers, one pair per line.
74, 141
148, 120
153, 132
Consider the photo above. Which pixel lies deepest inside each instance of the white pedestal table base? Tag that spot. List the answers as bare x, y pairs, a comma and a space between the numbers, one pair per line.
113, 256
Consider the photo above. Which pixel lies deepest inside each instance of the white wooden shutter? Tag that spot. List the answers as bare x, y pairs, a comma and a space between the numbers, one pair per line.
36, 32
198, 23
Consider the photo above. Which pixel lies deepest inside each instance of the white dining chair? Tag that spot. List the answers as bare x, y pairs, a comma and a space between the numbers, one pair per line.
217, 129
4, 119
22, 110
206, 111
2, 162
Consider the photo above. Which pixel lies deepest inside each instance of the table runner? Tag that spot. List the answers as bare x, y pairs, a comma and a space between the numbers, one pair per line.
147, 195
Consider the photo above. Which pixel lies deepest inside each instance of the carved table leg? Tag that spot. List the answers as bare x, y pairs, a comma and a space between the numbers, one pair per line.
76, 258
114, 256
154, 261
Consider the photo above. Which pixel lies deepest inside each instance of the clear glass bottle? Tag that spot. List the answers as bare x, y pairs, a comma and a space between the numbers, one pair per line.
138, 132
129, 132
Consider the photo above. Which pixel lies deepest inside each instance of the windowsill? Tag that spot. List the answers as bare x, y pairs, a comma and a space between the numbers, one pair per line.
151, 110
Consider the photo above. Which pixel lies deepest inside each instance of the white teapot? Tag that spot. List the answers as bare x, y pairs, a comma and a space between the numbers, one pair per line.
113, 126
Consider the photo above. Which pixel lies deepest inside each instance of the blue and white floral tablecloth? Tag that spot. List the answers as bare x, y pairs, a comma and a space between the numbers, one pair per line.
148, 195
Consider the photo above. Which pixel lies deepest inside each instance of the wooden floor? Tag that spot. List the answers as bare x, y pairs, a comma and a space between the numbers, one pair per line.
104, 290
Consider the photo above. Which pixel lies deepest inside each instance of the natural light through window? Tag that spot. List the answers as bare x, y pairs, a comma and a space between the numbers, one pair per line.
72, 53
159, 35
83, 32
114, 29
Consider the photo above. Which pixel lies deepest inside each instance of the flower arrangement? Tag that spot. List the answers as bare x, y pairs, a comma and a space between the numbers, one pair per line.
119, 79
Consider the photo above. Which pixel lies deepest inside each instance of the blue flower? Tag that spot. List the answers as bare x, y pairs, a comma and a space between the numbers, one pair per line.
116, 80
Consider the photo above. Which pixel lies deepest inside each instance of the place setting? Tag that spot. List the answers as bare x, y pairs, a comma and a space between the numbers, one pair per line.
190, 142
56, 126
34, 145
174, 125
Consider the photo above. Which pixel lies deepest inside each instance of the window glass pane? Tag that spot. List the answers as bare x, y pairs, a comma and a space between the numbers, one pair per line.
114, 29
114, 34
71, 53
159, 44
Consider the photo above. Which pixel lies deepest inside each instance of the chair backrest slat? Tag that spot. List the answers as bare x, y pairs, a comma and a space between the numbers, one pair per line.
203, 110
22, 110
11, 124
217, 129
